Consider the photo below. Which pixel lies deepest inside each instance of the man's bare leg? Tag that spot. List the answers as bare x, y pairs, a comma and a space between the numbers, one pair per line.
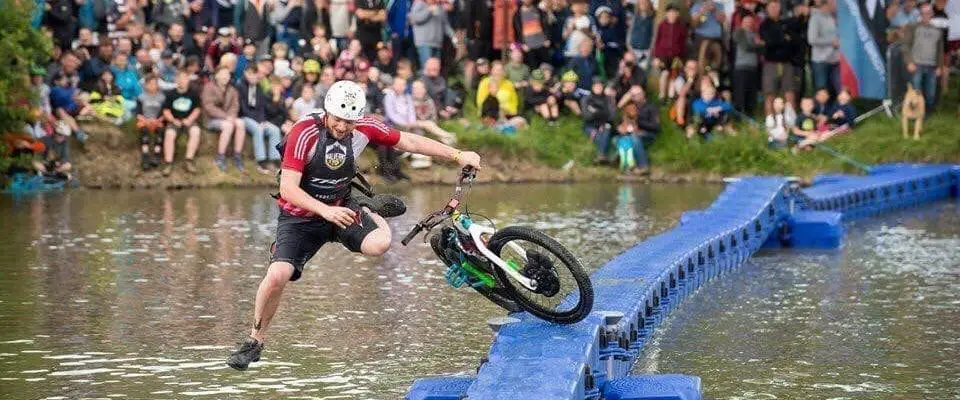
268, 297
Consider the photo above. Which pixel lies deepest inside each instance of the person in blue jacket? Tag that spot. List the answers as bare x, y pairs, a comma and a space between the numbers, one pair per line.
710, 113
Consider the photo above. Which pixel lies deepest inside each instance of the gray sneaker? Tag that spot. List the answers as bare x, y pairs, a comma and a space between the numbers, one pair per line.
238, 162
248, 352
221, 162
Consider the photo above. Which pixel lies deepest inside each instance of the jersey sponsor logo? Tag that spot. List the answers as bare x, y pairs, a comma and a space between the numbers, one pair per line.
329, 182
335, 155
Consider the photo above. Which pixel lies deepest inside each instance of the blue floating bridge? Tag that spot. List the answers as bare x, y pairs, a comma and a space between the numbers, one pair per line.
634, 292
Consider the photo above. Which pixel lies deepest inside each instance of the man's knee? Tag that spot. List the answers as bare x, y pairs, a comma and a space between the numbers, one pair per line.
279, 274
376, 244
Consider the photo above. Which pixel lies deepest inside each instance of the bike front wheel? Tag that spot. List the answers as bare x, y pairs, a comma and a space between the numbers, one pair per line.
563, 294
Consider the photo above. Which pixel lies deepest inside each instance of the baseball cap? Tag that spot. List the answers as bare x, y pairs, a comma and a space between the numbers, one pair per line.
545, 67
601, 10
224, 31
311, 67
37, 70
536, 76
265, 57
482, 61
569, 76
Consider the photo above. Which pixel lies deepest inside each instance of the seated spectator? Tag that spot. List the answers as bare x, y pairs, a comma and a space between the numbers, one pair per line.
105, 99
822, 108
804, 132
483, 71
438, 90
399, 113
181, 110
247, 57
426, 113
253, 114
281, 60
641, 119
584, 64
599, 109
505, 92
669, 48
517, 71
276, 110
710, 113
221, 110
126, 78
166, 71
684, 89
385, 62
530, 25
539, 99
310, 76
629, 74
609, 41
708, 17
569, 94
149, 114
41, 114
549, 78
224, 44
304, 105
780, 124
68, 105
372, 89
56, 155
327, 78
841, 119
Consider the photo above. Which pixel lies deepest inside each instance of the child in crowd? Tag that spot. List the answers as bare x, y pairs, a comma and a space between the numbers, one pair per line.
805, 129
303, 105
599, 109
710, 113
540, 100
584, 64
570, 94
841, 119
822, 108
247, 57
281, 60
405, 69
780, 124
347, 62
609, 39
517, 71
483, 71
149, 113
577, 29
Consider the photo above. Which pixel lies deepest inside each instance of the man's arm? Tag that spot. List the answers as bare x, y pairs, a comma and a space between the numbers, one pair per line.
422, 145
290, 191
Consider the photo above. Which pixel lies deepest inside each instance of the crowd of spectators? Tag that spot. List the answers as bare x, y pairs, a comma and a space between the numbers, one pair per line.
239, 68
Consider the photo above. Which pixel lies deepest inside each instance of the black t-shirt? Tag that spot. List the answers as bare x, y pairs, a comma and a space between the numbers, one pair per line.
369, 32
181, 104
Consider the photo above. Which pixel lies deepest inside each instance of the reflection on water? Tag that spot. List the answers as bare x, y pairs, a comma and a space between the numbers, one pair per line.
144, 293
879, 319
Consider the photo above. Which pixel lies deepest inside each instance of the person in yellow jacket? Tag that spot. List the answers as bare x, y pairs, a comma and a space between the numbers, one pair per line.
506, 93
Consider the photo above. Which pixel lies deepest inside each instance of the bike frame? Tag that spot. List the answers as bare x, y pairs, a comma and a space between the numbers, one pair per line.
465, 225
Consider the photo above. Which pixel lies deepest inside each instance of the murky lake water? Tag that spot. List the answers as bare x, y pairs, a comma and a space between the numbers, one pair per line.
144, 294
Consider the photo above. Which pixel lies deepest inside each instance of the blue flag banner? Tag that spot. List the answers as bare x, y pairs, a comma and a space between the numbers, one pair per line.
862, 65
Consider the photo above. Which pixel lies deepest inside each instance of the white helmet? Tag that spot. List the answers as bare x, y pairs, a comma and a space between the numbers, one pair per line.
345, 100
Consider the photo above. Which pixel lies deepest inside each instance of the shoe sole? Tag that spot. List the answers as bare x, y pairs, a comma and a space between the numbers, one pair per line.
241, 367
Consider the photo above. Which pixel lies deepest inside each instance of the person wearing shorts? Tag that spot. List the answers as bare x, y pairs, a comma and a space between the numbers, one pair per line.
778, 72
181, 109
319, 162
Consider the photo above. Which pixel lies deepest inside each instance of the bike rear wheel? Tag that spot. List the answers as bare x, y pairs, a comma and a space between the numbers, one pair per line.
564, 294
497, 295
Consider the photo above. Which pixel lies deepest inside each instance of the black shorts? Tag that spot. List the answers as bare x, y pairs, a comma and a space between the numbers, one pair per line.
479, 49
298, 239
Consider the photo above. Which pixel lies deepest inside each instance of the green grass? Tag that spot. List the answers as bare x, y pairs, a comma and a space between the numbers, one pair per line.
876, 140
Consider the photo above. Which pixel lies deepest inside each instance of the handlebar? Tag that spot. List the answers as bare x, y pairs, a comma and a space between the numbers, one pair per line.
467, 175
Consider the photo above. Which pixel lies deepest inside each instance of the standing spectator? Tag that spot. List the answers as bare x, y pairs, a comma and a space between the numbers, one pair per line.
61, 18
398, 26
517, 71
577, 29
599, 110
707, 18
254, 24
797, 27
825, 56
540, 100
557, 13
530, 23
669, 47
253, 113
150, 123
584, 64
478, 23
222, 13
221, 109
610, 41
370, 17
430, 24
223, 45
342, 22
924, 55
743, 9
181, 109
903, 13
503, 34
168, 12
286, 17
641, 32
778, 73
748, 46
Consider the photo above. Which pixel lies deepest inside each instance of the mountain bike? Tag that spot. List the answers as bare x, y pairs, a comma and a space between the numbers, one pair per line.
517, 268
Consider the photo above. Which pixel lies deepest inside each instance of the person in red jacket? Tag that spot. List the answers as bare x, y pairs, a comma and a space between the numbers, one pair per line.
670, 46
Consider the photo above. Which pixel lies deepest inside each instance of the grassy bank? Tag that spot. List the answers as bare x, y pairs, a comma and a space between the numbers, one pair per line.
876, 140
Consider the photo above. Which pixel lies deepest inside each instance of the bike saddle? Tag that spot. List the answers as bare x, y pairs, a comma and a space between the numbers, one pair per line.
386, 205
